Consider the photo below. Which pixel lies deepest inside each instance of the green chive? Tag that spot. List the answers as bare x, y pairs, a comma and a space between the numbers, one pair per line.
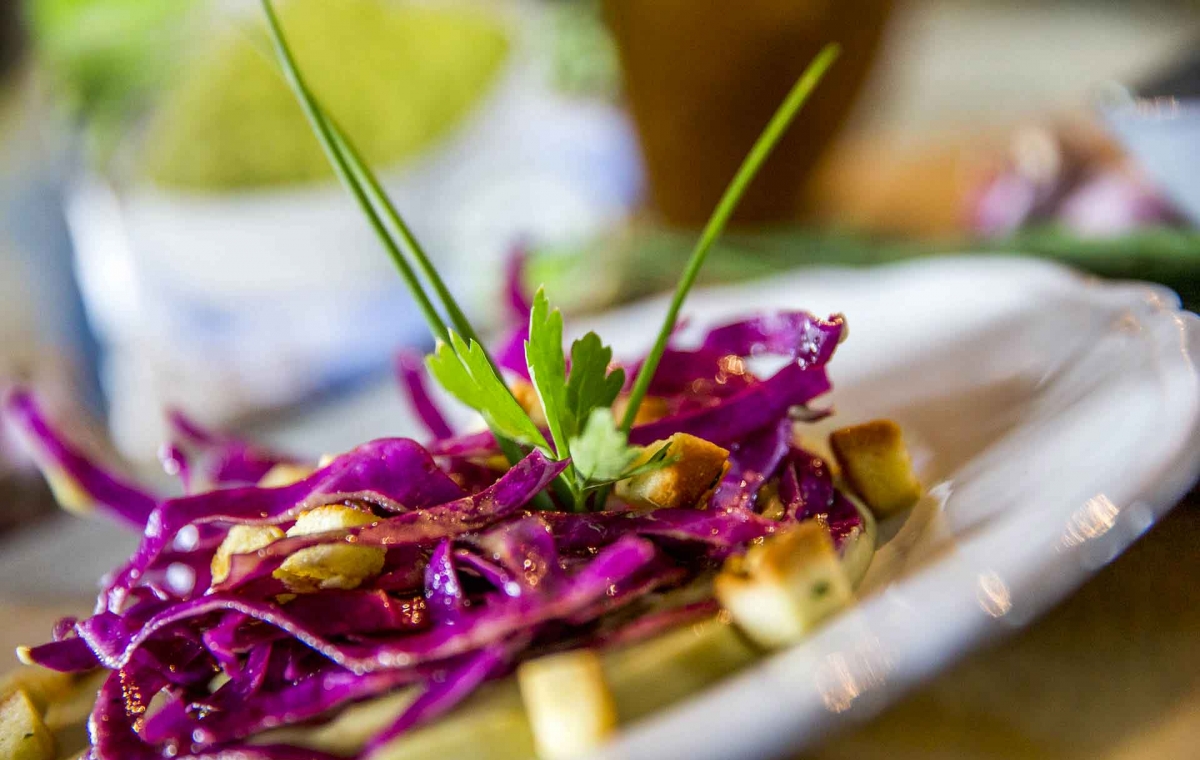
353, 171
721, 214
461, 324
324, 130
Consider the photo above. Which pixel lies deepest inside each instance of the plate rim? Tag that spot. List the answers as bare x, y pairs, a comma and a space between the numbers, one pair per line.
697, 717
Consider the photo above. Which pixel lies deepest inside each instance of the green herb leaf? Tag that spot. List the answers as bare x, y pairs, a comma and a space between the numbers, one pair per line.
601, 451
657, 461
603, 456
463, 369
590, 384
548, 370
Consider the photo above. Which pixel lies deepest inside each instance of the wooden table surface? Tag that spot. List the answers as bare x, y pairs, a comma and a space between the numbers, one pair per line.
1113, 673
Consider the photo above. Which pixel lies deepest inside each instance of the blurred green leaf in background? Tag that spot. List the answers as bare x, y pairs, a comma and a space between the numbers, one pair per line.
107, 56
645, 260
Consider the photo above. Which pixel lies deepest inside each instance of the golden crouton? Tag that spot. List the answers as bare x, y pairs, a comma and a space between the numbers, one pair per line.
23, 733
652, 409
67, 716
527, 396
330, 566
285, 474
782, 588
41, 685
875, 462
570, 707
241, 539
697, 466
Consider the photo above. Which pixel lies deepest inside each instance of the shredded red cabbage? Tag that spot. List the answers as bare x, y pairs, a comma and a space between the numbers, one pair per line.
126, 502
226, 459
472, 583
752, 462
410, 370
447, 688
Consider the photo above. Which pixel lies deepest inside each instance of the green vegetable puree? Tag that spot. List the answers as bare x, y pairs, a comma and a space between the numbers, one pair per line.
396, 76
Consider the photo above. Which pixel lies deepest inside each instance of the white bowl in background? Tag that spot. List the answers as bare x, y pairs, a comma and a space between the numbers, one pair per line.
229, 303
1162, 135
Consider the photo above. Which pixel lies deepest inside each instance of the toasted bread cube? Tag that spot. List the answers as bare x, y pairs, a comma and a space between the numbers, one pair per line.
41, 685
67, 716
285, 474
781, 589
652, 409
241, 539
570, 707
875, 462
770, 505
23, 734
697, 466
330, 566
527, 396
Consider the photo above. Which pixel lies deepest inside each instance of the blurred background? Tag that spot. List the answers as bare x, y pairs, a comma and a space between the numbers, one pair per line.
171, 234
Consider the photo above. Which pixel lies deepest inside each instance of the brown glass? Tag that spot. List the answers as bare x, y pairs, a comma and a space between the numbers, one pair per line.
702, 78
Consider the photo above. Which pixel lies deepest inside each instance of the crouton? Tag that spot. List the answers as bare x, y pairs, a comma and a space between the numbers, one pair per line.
41, 685
652, 409
241, 539
782, 588
570, 707
875, 462
330, 566
697, 466
285, 474
527, 396
23, 733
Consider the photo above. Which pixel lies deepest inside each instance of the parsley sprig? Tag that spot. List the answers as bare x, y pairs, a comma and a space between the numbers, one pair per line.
463, 369
574, 401
577, 402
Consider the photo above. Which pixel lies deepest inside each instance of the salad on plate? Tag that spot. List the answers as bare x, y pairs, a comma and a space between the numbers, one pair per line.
618, 534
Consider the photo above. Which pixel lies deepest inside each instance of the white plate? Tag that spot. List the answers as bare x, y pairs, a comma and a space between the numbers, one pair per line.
1053, 416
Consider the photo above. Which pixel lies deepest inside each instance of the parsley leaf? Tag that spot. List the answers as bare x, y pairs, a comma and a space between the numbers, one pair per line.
657, 461
590, 385
603, 456
570, 403
463, 370
548, 370
601, 451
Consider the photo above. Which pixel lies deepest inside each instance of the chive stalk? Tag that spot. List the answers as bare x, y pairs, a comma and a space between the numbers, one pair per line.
459, 320
358, 178
325, 131
721, 214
